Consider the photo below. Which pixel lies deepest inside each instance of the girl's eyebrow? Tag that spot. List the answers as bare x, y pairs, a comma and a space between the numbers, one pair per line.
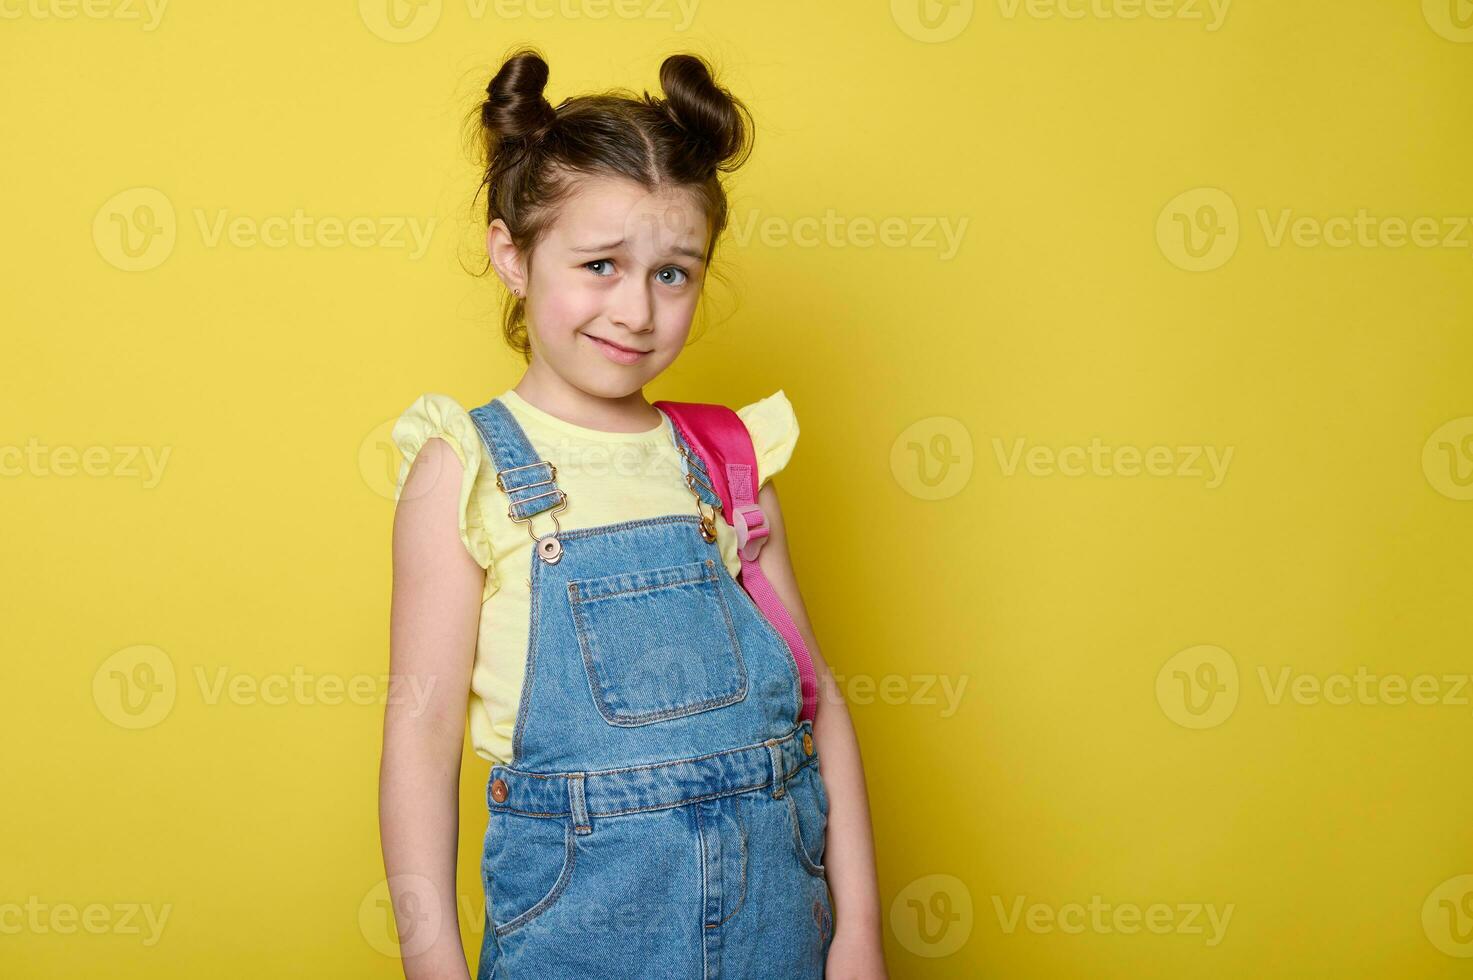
680, 249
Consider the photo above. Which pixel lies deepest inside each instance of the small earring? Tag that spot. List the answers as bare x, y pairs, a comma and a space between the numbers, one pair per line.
517, 292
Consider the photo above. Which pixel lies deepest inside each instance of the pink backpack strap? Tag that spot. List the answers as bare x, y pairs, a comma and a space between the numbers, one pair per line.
717, 435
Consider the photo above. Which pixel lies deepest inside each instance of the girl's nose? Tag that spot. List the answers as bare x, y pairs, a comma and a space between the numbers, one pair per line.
632, 307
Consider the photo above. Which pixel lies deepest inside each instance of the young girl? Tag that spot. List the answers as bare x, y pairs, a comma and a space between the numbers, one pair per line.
657, 804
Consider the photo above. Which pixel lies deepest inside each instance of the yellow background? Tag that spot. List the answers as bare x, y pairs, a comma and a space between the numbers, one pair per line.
1074, 149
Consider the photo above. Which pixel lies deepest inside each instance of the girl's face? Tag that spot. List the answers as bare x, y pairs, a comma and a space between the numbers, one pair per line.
613, 284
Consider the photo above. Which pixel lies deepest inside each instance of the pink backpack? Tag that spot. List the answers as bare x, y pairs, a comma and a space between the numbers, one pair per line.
716, 434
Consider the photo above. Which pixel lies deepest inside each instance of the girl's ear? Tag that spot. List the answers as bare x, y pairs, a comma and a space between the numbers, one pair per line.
505, 257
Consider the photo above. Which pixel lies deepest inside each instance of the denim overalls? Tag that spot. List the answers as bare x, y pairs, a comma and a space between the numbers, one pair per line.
664, 816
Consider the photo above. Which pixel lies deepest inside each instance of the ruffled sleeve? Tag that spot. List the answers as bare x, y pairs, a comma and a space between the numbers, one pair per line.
774, 429
439, 415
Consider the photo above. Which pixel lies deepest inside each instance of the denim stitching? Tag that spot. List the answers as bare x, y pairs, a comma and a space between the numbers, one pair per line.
742, 840
782, 644
802, 850
683, 801
587, 640
708, 574
790, 737
508, 446
524, 703
588, 532
701, 840
570, 856
654, 806
578, 804
736, 643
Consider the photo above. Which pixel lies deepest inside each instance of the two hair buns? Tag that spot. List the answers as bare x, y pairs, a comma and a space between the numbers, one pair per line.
517, 113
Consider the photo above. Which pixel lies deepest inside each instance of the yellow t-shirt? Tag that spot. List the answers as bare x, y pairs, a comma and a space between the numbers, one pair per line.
608, 477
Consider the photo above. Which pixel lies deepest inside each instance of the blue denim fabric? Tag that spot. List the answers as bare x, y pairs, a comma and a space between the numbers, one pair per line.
665, 815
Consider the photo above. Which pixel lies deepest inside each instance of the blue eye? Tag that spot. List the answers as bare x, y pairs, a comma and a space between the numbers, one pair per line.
663, 273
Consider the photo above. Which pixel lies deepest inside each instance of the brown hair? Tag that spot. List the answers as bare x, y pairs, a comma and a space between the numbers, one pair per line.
531, 151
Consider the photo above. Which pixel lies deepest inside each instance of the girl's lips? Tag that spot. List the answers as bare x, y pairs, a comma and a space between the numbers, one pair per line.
615, 353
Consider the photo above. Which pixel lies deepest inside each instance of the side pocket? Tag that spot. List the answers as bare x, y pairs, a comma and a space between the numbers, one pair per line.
526, 865
809, 811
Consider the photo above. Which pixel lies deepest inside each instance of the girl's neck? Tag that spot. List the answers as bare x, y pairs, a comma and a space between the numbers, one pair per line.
629, 414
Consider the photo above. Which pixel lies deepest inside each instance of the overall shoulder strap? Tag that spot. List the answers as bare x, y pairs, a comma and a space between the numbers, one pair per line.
719, 437
716, 434
521, 474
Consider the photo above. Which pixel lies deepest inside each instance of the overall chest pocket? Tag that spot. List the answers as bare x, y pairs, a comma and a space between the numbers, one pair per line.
658, 643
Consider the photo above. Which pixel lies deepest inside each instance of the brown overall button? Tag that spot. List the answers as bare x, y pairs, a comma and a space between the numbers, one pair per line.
498, 790
807, 744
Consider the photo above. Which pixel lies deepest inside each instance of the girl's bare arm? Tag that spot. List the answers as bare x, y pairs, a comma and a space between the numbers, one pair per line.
849, 852
432, 642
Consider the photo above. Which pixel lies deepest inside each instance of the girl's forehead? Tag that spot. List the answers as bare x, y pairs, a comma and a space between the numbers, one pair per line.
607, 212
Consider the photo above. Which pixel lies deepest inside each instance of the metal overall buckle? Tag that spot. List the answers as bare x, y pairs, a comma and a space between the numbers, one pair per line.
708, 522
549, 548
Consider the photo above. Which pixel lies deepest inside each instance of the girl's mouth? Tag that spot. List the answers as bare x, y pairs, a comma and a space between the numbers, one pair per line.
615, 353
